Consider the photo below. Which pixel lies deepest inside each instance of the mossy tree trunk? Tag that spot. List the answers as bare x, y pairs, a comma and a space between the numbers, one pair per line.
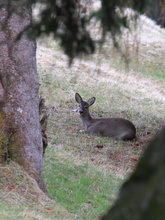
20, 135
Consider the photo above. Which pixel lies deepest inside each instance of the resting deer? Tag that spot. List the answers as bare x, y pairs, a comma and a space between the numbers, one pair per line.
118, 128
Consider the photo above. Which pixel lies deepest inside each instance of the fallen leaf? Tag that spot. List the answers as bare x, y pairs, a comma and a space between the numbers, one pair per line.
134, 159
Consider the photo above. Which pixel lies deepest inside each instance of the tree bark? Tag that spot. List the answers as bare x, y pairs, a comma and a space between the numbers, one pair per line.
20, 135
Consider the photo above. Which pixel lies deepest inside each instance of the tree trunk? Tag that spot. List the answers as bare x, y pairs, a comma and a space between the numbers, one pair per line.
20, 135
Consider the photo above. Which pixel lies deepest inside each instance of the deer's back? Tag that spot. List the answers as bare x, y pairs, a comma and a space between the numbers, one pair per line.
112, 127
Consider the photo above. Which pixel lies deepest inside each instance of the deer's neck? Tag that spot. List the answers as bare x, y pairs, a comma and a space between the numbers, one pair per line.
86, 120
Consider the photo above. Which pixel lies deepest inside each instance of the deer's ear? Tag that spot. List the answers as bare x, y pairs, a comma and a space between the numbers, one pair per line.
78, 98
91, 101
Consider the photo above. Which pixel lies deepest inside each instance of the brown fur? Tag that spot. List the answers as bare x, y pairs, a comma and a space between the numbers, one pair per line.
118, 128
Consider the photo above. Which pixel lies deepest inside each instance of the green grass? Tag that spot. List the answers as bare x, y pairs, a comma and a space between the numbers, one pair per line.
145, 67
155, 74
80, 189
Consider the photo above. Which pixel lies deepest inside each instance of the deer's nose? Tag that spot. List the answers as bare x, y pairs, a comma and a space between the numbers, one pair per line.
81, 112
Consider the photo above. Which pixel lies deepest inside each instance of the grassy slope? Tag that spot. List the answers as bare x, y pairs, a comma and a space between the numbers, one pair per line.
83, 173
118, 93
21, 199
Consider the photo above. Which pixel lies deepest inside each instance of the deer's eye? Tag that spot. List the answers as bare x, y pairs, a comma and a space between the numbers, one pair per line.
86, 107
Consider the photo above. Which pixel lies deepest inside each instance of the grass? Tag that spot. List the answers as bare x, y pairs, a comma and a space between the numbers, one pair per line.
79, 169
74, 161
80, 189
21, 198
156, 74
83, 173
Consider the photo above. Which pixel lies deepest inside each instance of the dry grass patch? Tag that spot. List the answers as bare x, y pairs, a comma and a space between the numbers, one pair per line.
21, 198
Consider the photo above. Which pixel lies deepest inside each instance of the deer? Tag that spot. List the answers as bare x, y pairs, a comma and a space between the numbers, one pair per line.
118, 128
